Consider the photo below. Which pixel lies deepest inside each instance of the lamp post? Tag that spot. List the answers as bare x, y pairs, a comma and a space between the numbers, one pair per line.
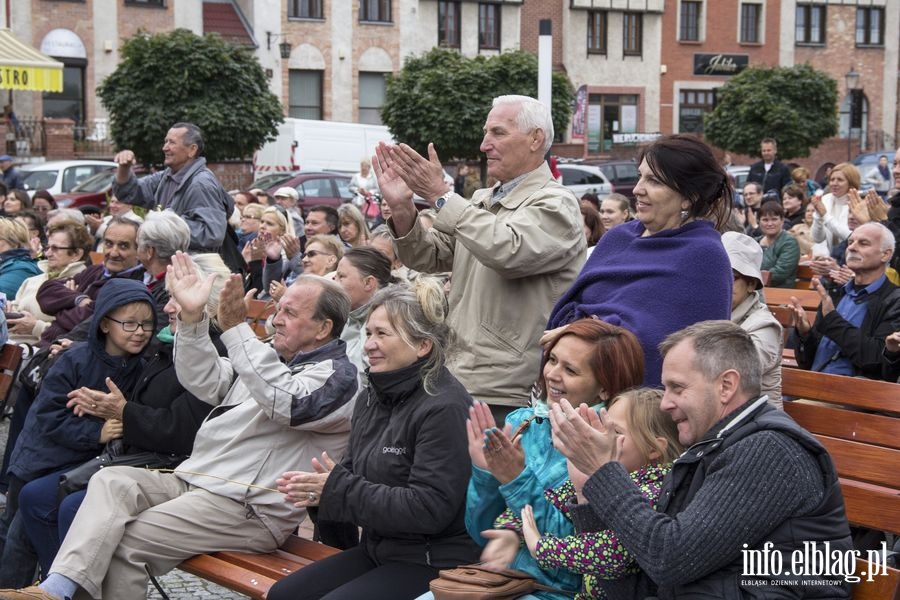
852, 81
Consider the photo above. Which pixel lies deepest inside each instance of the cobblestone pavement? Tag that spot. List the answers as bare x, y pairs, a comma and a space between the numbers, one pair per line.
178, 585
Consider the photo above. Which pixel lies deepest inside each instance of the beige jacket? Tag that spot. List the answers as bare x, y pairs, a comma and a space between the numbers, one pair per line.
510, 263
26, 300
754, 317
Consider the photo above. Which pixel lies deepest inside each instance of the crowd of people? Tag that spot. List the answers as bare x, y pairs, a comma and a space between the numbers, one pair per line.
585, 390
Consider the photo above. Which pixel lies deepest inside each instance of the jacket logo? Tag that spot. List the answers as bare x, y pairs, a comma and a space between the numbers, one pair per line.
394, 450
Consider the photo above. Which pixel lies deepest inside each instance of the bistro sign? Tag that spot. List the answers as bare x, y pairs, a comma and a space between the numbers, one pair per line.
720, 64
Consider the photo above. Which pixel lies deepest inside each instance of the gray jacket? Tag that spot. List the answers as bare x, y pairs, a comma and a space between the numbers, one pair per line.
270, 417
754, 317
200, 200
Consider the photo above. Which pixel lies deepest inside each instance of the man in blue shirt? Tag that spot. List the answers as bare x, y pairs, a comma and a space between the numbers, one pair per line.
847, 337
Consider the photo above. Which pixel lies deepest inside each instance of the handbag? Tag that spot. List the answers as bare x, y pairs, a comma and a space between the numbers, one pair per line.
476, 582
114, 455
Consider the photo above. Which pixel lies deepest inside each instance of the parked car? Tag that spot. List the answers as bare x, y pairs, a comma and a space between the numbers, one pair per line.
60, 176
739, 173
583, 179
93, 191
272, 179
317, 187
622, 174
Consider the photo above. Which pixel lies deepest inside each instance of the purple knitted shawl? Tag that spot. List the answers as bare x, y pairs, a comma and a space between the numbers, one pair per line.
652, 286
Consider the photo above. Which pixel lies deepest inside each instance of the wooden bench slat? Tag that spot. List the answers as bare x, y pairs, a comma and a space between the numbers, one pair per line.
882, 587
307, 548
233, 577
846, 424
863, 462
809, 299
873, 506
837, 389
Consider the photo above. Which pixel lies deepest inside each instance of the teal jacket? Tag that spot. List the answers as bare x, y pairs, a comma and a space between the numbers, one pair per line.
16, 266
780, 259
487, 499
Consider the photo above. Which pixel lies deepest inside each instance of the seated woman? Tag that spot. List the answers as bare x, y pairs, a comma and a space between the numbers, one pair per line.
54, 440
666, 269
588, 362
16, 263
749, 310
322, 255
159, 416
593, 228
68, 251
781, 252
403, 479
251, 217
794, 201
615, 209
649, 446
362, 272
353, 230
266, 247
831, 210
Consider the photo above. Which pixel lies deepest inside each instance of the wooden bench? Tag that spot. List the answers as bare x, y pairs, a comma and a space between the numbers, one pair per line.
10, 359
858, 421
809, 299
253, 574
804, 277
258, 311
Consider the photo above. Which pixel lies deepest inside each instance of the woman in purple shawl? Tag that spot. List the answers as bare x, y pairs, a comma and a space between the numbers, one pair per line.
667, 269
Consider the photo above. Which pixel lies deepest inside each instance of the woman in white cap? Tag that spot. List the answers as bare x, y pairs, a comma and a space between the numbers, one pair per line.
750, 311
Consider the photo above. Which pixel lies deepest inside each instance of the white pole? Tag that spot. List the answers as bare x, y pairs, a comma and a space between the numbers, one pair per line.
545, 61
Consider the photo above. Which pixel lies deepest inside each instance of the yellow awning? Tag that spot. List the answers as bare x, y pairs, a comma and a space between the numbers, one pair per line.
24, 68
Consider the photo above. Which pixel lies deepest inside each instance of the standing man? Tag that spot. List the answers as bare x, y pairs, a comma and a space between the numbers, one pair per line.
186, 187
751, 480
770, 172
848, 338
513, 249
12, 177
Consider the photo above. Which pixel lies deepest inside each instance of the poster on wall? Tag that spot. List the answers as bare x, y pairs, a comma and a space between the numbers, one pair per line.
593, 126
629, 118
578, 114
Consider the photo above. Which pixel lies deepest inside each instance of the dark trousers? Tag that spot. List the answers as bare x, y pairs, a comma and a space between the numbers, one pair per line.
17, 558
40, 511
16, 423
352, 575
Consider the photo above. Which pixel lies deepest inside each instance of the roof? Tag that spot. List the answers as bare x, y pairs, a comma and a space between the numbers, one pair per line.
225, 19
24, 68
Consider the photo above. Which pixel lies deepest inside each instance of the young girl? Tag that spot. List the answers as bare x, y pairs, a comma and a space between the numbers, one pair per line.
648, 443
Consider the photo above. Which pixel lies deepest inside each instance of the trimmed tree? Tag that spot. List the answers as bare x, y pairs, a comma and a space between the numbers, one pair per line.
444, 98
179, 76
795, 105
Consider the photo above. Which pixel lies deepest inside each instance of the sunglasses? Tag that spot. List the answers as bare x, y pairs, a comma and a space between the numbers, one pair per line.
315, 253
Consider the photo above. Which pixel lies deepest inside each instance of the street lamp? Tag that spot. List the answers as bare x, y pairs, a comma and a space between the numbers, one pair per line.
284, 48
852, 81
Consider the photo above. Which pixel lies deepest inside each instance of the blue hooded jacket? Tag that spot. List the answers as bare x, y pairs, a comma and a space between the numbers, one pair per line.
53, 438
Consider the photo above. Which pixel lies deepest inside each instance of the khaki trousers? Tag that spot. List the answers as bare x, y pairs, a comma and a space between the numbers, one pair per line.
135, 520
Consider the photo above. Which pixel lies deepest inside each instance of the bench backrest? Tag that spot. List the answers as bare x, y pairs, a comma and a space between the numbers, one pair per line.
10, 359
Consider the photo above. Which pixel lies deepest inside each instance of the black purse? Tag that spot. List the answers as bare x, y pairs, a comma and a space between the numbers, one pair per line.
113, 455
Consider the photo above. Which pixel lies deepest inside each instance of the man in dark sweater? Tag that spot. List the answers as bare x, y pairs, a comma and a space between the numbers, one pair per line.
770, 173
752, 482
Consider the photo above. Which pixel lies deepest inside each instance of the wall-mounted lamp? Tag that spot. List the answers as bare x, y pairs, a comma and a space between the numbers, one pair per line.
284, 47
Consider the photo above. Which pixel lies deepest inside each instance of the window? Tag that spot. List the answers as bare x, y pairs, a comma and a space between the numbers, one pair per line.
870, 26
810, 24
489, 26
160, 3
632, 34
690, 21
305, 9
596, 32
375, 10
750, 21
305, 94
448, 23
371, 97
69, 103
692, 105
316, 188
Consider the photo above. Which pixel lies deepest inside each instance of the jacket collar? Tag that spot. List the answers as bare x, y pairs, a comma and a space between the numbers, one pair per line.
533, 181
333, 350
395, 387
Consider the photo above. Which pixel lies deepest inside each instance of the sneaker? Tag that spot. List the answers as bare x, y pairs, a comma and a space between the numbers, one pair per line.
30, 593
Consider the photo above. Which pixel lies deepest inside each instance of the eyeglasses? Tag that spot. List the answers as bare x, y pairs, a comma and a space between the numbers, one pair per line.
132, 326
315, 253
52, 248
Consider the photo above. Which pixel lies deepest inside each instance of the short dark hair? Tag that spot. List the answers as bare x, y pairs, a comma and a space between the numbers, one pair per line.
687, 165
331, 215
592, 221
193, 135
771, 209
769, 140
371, 261
593, 199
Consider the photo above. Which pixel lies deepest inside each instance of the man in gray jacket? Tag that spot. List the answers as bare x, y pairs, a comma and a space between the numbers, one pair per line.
276, 407
513, 249
186, 186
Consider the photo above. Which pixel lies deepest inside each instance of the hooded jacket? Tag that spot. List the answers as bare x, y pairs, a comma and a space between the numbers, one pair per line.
16, 266
53, 438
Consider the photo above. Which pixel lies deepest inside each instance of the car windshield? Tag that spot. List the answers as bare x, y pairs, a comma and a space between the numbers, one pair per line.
39, 180
97, 183
267, 181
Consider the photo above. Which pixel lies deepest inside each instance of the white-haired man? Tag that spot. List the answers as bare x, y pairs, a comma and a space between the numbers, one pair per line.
513, 248
848, 335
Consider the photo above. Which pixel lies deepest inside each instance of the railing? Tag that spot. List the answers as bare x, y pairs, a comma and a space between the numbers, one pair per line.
92, 139
25, 137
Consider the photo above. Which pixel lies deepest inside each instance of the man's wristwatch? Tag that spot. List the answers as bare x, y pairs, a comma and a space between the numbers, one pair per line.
440, 202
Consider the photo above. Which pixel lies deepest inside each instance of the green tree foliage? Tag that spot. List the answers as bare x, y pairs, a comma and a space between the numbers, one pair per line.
443, 97
179, 76
795, 105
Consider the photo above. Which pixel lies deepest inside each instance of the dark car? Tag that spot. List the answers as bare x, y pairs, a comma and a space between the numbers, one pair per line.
622, 174
318, 187
93, 191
